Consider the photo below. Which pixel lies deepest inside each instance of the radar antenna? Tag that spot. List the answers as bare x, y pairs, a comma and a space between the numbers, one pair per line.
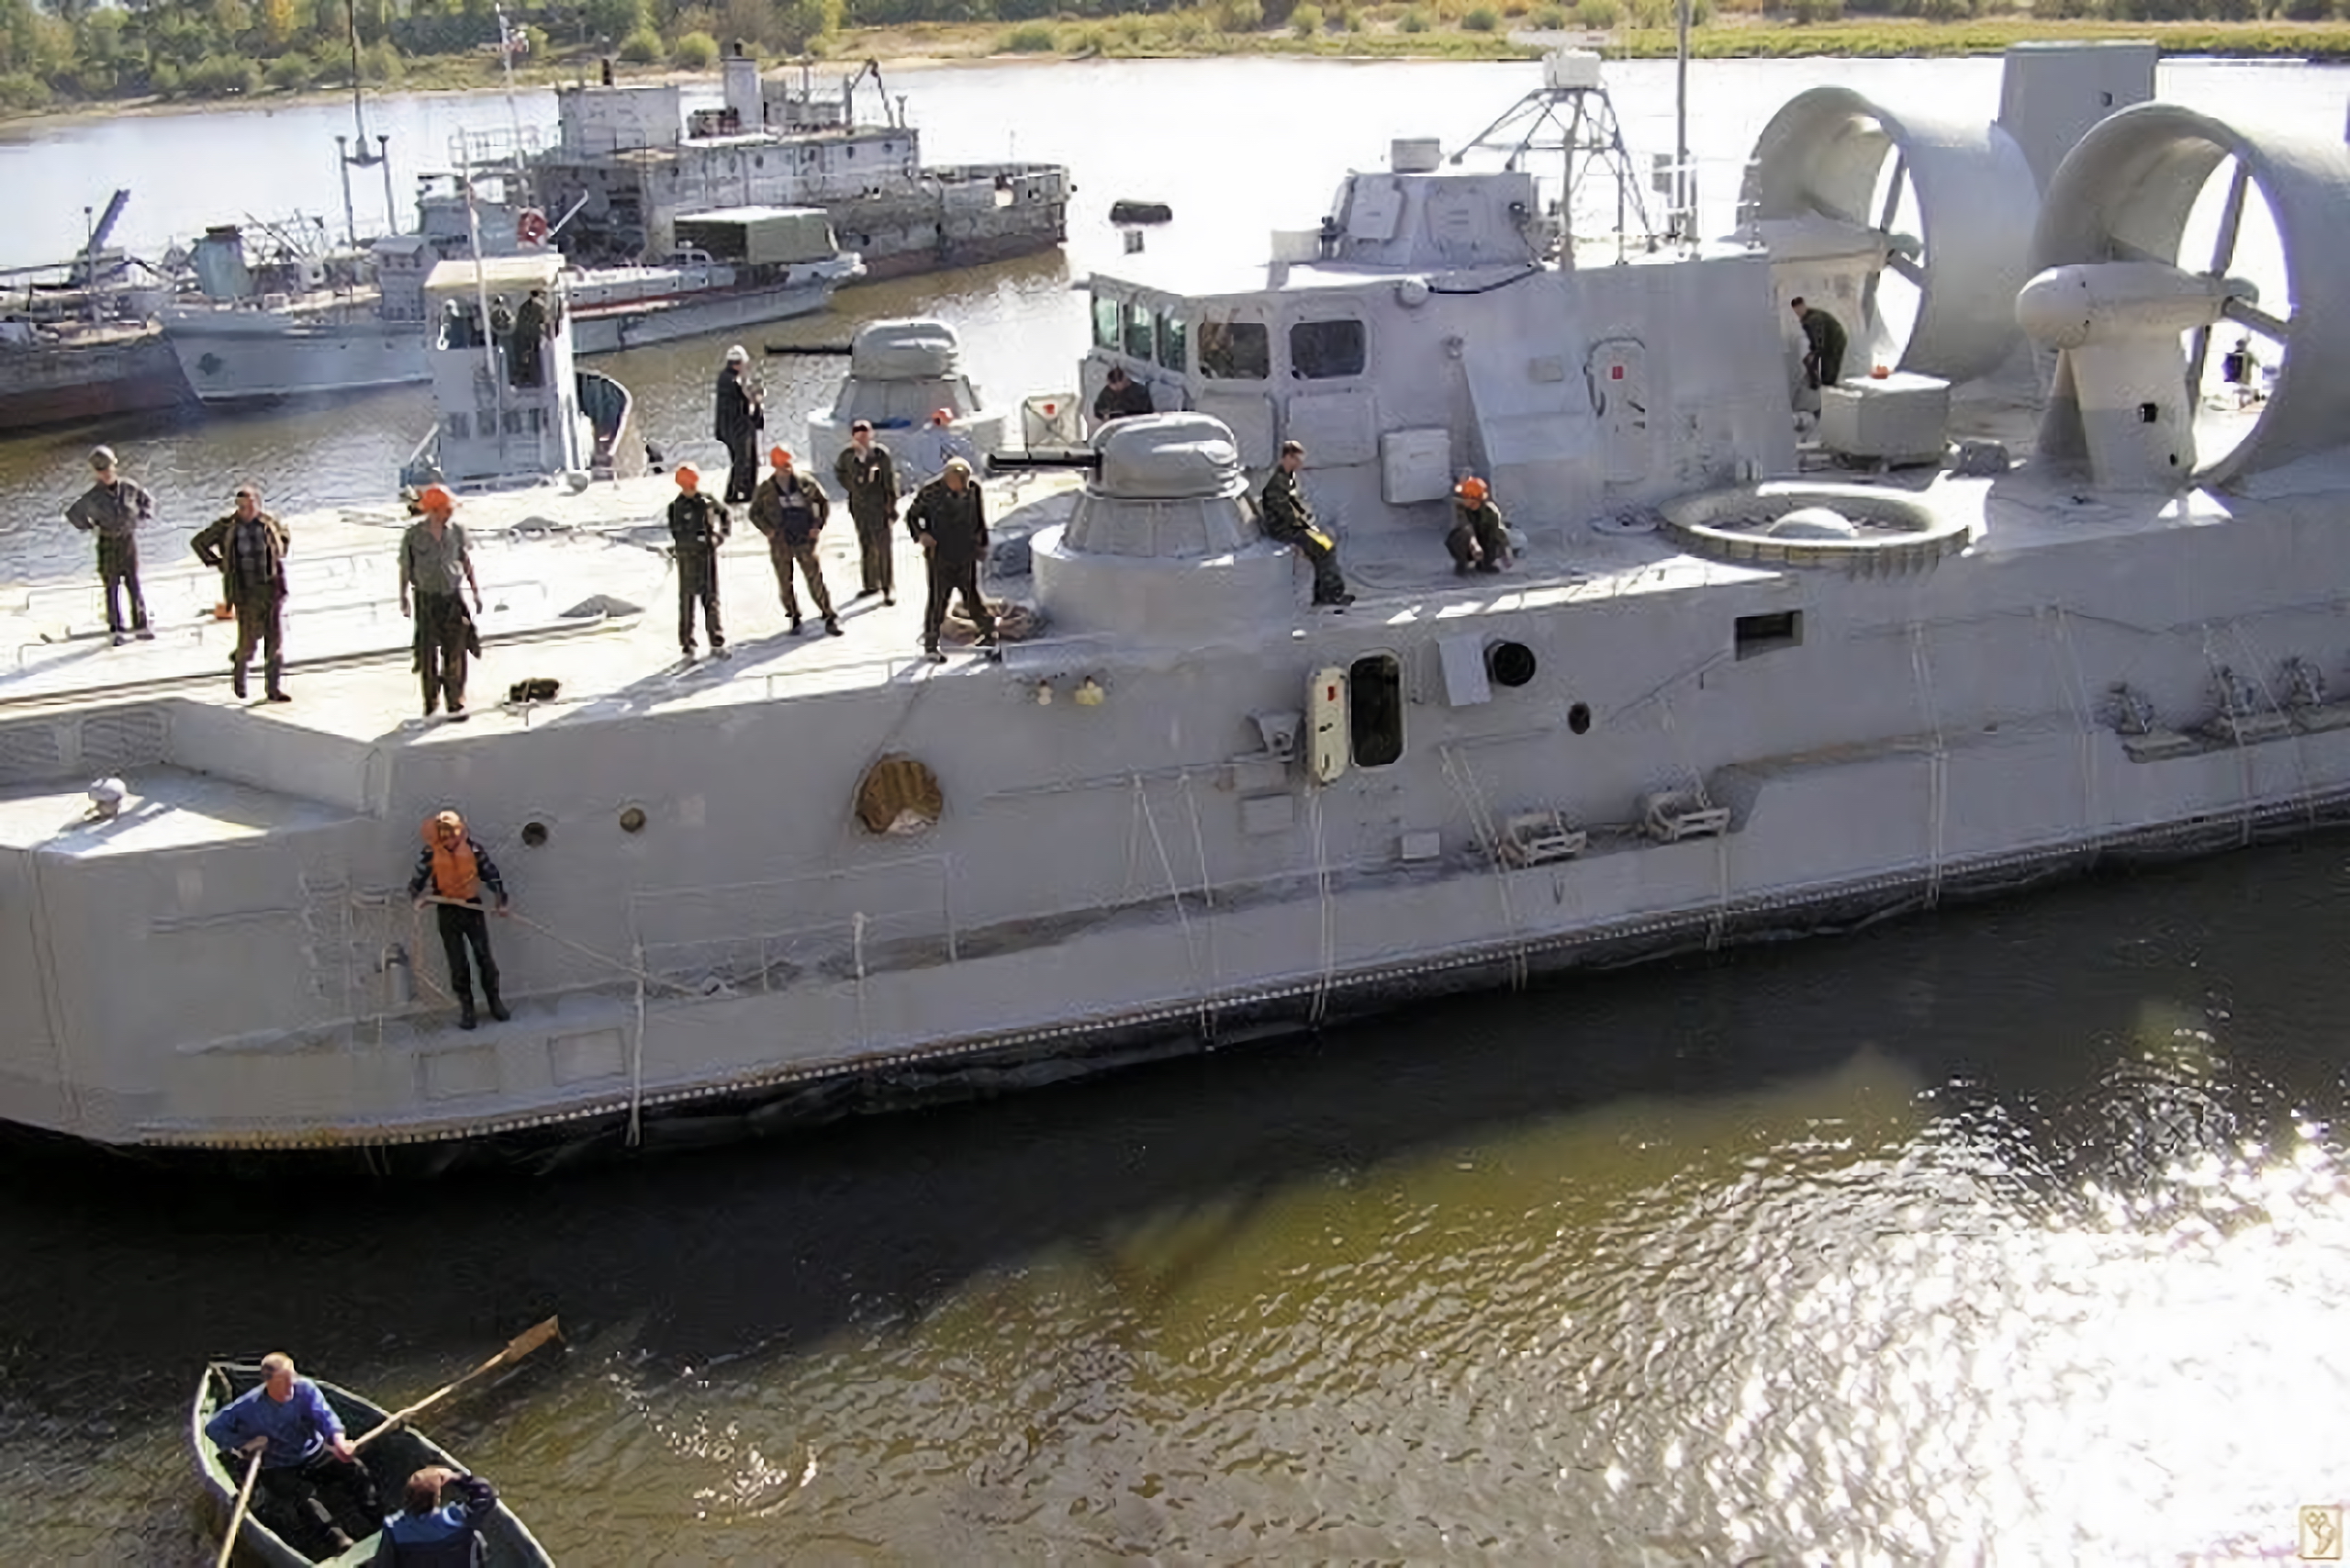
1570, 115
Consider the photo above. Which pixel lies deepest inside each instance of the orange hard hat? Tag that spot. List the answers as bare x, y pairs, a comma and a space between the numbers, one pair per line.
778, 457
1471, 489
688, 476
436, 498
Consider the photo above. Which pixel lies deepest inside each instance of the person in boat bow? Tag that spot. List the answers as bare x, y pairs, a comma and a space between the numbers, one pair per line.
430, 1533
305, 1456
436, 566
950, 522
248, 549
456, 868
1289, 520
791, 509
1120, 396
1478, 539
113, 507
1824, 344
737, 424
868, 478
698, 525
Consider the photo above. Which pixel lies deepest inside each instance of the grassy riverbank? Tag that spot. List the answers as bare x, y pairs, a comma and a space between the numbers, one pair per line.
1388, 29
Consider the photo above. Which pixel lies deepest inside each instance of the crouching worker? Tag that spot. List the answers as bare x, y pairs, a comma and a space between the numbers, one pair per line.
306, 1459
1477, 539
428, 1533
456, 868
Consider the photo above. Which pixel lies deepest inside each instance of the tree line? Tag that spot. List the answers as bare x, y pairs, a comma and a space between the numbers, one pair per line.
71, 51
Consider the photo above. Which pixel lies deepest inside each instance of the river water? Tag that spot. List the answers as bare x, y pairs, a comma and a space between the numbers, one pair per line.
2020, 1232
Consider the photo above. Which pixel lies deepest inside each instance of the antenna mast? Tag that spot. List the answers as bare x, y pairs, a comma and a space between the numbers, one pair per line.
355, 154
1571, 116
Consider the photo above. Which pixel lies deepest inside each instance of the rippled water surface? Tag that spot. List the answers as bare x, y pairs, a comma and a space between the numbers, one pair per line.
2013, 1233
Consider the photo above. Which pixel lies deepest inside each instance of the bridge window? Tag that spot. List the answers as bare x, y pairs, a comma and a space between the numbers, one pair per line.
1325, 351
1171, 335
1105, 322
1138, 326
1235, 350
1375, 709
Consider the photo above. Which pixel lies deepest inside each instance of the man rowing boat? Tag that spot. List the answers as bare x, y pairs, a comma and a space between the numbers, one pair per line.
304, 1454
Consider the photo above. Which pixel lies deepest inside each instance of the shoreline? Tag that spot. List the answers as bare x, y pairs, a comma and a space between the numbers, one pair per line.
920, 48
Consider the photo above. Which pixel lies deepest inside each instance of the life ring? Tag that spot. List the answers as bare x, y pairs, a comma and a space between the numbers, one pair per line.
531, 227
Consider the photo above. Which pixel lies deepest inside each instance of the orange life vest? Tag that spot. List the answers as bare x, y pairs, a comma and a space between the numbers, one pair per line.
454, 875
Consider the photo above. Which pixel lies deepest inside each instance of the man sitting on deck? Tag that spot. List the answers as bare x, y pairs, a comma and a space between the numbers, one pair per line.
426, 1534
303, 1453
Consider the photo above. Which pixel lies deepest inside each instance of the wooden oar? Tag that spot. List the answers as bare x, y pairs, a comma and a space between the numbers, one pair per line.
521, 1345
237, 1517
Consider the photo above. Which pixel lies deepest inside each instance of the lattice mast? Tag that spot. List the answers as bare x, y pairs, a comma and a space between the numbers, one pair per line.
1569, 118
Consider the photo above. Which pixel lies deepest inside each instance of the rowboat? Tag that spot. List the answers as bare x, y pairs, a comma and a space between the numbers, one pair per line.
390, 1458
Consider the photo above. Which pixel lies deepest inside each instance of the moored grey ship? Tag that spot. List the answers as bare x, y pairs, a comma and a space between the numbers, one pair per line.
1718, 691
634, 161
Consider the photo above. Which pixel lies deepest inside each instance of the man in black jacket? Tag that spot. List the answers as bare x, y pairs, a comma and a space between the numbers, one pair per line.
738, 423
698, 525
1119, 397
949, 521
1824, 341
248, 549
1288, 518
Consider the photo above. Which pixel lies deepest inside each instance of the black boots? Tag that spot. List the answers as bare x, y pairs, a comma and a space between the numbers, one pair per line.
466, 1015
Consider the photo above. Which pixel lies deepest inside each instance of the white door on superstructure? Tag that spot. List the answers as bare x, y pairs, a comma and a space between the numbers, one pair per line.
1618, 371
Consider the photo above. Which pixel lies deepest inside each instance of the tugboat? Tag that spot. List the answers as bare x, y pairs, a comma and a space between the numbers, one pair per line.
1749, 668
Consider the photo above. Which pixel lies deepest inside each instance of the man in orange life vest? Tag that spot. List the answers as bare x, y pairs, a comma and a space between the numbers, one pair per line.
457, 868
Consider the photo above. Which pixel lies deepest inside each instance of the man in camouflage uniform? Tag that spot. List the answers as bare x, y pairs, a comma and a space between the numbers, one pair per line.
113, 507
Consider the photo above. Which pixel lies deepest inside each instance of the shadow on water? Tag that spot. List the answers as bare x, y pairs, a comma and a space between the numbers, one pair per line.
2079, 1024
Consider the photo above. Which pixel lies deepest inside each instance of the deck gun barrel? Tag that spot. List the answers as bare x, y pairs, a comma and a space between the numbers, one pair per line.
1045, 459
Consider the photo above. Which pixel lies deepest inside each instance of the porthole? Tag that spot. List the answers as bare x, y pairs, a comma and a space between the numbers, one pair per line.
900, 797
535, 834
632, 820
1510, 664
